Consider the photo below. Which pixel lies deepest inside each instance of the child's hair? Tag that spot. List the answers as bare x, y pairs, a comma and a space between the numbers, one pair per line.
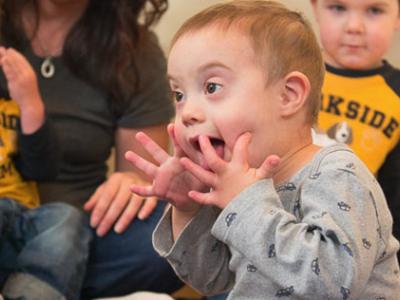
282, 40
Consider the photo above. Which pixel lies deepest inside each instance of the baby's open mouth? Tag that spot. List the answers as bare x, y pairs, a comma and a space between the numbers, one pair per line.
218, 145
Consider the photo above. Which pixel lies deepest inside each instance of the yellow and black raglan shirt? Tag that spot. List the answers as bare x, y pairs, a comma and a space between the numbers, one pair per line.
362, 110
23, 158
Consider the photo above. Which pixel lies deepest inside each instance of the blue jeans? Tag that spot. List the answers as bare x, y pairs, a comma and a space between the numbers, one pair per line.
44, 250
218, 297
124, 263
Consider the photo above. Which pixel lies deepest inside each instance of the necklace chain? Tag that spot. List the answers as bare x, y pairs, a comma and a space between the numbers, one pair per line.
44, 50
285, 160
290, 155
47, 68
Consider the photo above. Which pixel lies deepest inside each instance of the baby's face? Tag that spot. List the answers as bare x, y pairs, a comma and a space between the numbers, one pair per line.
356, 34
220, 92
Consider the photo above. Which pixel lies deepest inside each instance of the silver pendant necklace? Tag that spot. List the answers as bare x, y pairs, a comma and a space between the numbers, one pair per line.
47, 68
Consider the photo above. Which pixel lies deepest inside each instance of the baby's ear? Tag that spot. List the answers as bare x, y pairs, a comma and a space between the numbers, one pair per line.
295, 93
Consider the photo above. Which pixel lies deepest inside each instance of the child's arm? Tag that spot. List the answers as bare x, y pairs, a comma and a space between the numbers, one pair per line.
38, 152
327, 245
198, 257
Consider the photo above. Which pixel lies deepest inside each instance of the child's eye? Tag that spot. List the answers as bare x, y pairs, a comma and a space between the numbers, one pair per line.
337, 8
375, 10
178, 96
212, 87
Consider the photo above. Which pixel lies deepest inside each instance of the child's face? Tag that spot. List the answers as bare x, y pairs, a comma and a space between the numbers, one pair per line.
220, 92
356, 34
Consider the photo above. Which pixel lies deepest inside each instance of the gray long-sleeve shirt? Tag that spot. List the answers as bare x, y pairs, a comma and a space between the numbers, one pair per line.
325, 234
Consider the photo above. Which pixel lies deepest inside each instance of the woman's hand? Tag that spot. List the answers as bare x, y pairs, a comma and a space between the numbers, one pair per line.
227, 179
113, 203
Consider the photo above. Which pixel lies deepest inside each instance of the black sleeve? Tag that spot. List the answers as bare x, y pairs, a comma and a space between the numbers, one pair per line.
39, 154
389, 179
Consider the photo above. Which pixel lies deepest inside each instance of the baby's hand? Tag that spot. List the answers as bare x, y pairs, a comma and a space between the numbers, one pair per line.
170, 180
227, 179
23, 88
21, 79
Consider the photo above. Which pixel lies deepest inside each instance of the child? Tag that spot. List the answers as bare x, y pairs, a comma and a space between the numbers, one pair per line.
361, 92
43, 250
273, 215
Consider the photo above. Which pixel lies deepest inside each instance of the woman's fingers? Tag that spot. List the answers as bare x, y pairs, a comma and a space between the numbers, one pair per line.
113, 204
122, 199
99, 203
147, 208
89, 205
135, 208
102, 204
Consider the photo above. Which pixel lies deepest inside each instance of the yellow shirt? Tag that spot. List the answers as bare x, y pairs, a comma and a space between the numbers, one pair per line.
362, 109
12, 185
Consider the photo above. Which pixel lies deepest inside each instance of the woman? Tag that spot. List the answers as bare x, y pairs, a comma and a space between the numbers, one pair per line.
102, 77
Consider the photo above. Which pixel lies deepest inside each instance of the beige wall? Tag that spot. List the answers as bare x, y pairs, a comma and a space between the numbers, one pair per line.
180, 10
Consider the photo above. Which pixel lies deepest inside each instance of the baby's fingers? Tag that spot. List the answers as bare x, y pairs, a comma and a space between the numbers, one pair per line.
177, 149
202, 198
269, 167
215, 163
147, 167
144, 191
240, 149
158, 153
206, 177
17, 61
2, 53
8, 67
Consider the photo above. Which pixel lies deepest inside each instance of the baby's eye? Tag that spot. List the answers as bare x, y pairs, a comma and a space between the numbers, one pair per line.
212, 87
337, 8
375, 10
178, 96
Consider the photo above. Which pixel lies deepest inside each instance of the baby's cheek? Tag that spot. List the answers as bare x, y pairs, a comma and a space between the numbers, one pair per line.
178, 131
179, 136
256, 156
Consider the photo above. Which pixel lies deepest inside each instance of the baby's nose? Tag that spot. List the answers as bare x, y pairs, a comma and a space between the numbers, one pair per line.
192, 113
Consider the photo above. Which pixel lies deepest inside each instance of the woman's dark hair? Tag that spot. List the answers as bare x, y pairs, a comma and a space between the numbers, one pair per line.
103, 46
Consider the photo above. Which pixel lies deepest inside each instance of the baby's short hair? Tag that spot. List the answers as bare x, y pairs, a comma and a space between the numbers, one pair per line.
283, 41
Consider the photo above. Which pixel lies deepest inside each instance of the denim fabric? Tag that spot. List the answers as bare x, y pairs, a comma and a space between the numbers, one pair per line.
50, 242
124, 263
218, 297
33, 288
